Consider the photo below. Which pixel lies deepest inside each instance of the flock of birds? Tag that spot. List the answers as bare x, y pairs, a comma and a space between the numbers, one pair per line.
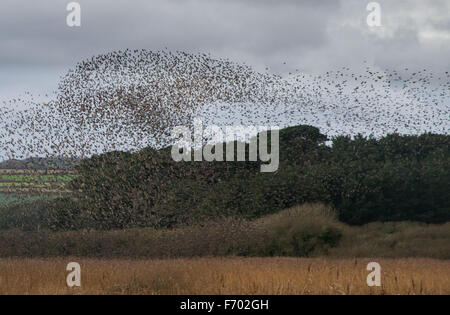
127, 100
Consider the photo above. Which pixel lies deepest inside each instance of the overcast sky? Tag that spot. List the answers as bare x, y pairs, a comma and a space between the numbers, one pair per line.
36, 45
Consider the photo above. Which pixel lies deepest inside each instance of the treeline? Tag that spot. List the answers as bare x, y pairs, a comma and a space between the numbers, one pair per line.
394, 178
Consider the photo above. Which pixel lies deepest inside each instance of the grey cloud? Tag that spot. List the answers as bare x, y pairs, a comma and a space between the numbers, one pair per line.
309, 35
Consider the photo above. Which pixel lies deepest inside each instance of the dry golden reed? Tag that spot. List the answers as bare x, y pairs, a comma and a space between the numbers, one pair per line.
225, 276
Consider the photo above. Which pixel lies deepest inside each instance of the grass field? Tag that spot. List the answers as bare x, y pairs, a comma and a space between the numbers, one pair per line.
185, 260
8, 198
225, 276
5, 171
35, 178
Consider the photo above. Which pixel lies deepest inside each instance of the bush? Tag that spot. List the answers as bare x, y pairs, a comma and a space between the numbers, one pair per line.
300, 231
308, 230
26, 216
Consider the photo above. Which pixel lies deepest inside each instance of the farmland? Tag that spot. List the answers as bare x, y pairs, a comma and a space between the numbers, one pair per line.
27, 185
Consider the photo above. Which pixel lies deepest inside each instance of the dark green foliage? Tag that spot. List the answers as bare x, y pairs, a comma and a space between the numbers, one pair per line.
26, 216
389, 179
394, 178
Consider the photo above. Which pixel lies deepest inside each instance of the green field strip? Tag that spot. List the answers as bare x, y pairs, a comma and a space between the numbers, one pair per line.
31, 190
36, 178
36, 172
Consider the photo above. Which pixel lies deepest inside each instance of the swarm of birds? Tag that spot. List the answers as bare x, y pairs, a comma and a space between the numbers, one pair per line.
127, 100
